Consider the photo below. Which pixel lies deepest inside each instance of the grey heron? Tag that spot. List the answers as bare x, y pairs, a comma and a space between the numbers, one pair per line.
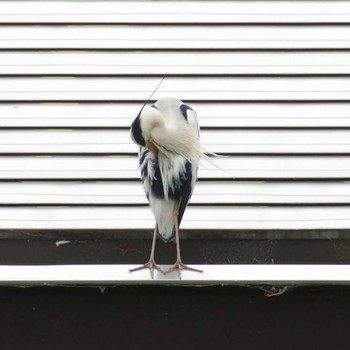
168, 135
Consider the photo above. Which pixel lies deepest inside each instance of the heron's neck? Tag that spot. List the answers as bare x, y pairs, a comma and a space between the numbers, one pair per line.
171, 135
151, 119
177, 139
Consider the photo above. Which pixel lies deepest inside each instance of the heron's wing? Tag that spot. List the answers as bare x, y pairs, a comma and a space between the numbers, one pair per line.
191, 169
191, 116
187, 189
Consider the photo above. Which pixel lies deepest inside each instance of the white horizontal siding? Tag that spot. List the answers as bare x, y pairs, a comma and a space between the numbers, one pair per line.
175, 37
174, 62
185, 88
271, 88
214, 114
175, 12
125, 167
206, 192
224, 141
229, 218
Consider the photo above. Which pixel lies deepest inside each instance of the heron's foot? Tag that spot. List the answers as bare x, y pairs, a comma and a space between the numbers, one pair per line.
151, 265
180, 266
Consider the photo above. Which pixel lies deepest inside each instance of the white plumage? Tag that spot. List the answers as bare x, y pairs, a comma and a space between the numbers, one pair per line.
168, 133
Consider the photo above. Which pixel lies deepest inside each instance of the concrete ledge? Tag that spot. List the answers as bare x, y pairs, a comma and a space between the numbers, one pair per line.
212, 275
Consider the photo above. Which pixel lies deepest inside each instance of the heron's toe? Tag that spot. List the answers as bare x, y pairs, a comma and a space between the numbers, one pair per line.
151, 265
180, 266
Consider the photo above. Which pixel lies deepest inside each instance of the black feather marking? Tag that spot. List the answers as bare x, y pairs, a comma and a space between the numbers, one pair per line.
184, 108
183, 195
181, 192
185, 191
144, 171
143, 154
182, 189
157, 184
137, 133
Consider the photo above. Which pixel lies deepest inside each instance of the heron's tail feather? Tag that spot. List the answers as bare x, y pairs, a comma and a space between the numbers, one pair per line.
168, 239
208, 158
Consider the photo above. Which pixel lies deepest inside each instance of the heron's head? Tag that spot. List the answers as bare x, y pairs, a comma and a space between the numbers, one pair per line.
146, 122
165, 131
150, 118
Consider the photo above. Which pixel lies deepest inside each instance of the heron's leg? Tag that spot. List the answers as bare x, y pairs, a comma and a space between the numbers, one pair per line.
151, 264
179, 265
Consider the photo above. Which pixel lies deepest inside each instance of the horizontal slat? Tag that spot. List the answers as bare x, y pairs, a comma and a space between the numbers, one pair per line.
221, 141
174, 62
123, 167
69, 114
245, 114
199, 88
119, 193
195, 218
174, 11
175, 37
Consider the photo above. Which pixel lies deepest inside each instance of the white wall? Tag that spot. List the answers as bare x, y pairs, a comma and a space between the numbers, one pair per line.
268, 79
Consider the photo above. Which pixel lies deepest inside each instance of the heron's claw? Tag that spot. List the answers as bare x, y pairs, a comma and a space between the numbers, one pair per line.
151, 265
180, 266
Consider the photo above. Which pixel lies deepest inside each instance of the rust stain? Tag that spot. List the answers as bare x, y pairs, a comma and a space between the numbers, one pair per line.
126, 250
153, 148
